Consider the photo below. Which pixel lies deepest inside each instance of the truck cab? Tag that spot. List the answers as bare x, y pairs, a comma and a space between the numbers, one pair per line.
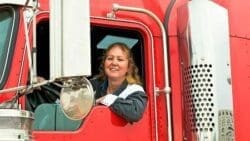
191, 55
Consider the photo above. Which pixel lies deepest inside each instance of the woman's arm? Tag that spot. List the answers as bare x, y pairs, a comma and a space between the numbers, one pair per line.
131, 108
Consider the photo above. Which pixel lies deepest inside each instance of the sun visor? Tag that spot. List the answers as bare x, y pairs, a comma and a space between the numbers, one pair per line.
110, 39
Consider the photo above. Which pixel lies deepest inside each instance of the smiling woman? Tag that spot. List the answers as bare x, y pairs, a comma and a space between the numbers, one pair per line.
118, 85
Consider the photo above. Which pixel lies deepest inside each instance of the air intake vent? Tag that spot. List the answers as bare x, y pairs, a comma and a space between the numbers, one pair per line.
199, 97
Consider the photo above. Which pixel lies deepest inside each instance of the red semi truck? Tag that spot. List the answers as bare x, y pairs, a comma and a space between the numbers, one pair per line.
193, 57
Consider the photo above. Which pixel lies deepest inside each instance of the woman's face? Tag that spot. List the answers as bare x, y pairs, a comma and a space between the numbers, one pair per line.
116, 64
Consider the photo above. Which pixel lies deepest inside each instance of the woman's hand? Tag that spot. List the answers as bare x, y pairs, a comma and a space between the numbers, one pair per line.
40, 79
30, 90
99, 100
107, 100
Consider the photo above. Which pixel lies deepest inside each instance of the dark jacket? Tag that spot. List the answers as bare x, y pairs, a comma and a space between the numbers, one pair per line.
128, 101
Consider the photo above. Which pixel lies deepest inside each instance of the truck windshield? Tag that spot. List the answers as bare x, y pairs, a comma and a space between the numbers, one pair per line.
6, 30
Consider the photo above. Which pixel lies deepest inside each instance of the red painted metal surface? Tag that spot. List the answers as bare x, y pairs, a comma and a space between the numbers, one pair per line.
240, 55
102, 124
238, 11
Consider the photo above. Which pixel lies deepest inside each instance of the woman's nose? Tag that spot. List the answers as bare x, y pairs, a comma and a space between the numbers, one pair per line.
114, 62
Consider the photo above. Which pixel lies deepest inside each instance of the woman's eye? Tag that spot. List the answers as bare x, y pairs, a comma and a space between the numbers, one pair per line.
109, 58
120, 59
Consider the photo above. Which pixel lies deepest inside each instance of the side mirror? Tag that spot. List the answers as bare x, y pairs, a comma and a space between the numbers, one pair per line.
77, 98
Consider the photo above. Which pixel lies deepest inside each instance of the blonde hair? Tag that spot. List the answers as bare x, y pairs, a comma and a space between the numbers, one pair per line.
132, 75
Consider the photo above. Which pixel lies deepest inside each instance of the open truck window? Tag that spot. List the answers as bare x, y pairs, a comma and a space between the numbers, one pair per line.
49, 116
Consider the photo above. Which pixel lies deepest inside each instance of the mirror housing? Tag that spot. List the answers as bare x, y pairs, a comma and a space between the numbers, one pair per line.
69, 39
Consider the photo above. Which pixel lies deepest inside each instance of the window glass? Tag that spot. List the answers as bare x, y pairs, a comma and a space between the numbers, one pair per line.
6, 26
